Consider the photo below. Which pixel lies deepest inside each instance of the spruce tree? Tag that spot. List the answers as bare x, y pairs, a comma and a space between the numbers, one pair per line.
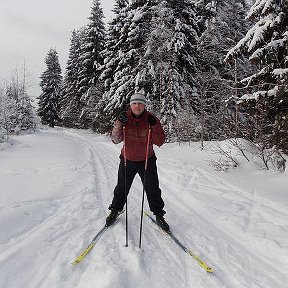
225, 27
91, 48
155, 54
266, 44
128, 50
91, 60
173, 45
71, 97
51, 85
116, 35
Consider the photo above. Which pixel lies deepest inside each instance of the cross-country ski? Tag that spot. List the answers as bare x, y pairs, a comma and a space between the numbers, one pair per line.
80, 257
185, 249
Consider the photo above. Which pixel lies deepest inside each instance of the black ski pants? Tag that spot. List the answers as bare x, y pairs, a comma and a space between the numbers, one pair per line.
151, 185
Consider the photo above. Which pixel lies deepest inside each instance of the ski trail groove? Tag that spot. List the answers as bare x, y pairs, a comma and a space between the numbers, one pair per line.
251, 257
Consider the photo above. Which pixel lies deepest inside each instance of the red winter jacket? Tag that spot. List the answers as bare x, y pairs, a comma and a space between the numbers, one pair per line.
136, 135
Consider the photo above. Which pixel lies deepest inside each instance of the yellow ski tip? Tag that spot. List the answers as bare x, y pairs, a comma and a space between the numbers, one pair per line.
81, 257
76, 261
209, 269
201, 262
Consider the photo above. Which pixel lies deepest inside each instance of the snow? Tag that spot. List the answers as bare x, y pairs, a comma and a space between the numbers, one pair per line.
56, 186
280, 72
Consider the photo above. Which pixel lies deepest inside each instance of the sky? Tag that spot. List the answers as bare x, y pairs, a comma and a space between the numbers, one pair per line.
28, 29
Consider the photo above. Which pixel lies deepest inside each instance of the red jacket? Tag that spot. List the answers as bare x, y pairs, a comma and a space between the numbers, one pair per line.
136, 135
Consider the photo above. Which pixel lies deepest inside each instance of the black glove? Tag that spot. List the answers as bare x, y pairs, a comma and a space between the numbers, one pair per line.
151, 120
123, 117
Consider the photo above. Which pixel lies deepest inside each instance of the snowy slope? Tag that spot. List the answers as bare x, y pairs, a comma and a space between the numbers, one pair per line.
55, 187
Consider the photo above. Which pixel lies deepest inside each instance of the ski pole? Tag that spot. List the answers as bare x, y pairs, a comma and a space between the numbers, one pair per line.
144, 182
125, 184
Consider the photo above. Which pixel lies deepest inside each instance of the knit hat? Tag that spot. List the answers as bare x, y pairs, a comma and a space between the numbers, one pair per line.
138, 98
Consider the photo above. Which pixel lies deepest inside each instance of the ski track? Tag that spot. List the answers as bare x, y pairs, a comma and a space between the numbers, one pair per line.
198, 182
132, 264
62, 227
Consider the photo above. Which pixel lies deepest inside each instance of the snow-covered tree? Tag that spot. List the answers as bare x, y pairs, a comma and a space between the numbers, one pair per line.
116, 35
89, 111
225, 27
171, 52
91, 48
51, 85
151, 49
16, 110
126, 42
266, 43
83, 70
2, 115
89, 60
71, 97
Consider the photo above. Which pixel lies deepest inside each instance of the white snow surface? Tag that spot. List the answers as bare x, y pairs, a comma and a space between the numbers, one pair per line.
56, 185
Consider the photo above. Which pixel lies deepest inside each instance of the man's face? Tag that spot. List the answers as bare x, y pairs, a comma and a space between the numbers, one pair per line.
137, 108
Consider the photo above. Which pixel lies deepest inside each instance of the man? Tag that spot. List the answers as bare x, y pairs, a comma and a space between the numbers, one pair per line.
137, 122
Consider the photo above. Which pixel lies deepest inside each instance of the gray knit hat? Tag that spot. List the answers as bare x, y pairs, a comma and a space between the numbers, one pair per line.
138, 98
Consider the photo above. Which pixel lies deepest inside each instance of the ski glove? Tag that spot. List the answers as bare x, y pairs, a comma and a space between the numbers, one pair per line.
151, 120
123, 117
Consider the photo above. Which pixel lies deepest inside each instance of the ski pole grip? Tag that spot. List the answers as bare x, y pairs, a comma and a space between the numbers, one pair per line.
147, 148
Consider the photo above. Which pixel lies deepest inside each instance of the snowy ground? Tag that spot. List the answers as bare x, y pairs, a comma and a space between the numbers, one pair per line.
55, 187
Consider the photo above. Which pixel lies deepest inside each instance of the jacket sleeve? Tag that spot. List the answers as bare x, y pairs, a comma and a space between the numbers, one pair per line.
158, 135
116, 134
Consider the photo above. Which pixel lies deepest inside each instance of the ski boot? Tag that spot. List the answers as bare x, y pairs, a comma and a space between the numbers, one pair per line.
112, 217
162, 223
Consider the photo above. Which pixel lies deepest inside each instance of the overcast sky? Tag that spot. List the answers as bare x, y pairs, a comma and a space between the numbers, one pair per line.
29, 28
